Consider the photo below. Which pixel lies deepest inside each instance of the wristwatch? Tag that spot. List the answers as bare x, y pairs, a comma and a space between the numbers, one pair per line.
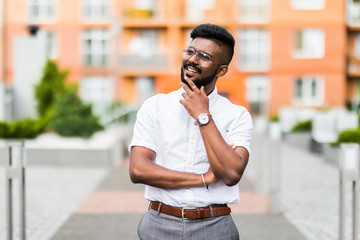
203, 119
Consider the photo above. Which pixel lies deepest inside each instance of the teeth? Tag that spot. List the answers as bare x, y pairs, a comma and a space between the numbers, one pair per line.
191, 70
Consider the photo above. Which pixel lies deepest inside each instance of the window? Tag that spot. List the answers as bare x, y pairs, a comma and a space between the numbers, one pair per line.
96, 47
96, 10
258, 94
41, 10
145, 9
145, 44
145, 88
353, 12
195, 9
145, 4
99, 91
308, 4
309, 91
357, 46
254, 11
51, 42
357, 96
309, 43
254, 50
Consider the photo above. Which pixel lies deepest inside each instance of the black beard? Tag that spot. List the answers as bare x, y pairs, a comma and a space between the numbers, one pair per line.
199, 82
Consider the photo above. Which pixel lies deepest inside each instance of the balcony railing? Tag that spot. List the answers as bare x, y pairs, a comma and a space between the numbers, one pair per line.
139, 13
149, 63
353, 65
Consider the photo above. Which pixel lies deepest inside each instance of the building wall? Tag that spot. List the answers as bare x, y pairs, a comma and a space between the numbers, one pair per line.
169, 20
286, 68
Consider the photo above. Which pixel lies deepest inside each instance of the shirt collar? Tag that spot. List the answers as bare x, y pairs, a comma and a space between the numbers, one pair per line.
212, 96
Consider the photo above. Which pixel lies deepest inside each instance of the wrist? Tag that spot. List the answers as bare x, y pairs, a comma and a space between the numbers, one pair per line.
203, 119
204, 182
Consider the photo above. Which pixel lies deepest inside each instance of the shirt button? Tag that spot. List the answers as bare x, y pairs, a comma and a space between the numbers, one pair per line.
192, 137
190, 162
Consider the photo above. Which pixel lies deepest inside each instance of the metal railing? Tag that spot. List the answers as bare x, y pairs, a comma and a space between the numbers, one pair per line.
15, 169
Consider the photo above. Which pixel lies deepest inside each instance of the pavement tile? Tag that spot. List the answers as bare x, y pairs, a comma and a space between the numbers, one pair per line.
134, 202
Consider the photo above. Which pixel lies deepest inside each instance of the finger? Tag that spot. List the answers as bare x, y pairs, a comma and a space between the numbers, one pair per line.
185, 87
182, 101
191, 84
232, 146
185, 96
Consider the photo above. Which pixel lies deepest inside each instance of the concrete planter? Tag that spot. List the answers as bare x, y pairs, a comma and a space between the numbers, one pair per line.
104, 149
299, 139
331, 154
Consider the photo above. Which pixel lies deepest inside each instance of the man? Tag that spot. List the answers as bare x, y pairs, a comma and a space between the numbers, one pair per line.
191, 146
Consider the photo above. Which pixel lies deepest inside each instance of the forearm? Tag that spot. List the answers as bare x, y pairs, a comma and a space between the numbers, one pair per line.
226, 163
143, 170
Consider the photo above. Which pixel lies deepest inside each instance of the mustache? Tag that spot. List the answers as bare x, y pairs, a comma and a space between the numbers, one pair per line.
199, 70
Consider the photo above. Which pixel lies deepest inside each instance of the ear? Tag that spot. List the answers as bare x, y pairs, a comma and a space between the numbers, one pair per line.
223, 69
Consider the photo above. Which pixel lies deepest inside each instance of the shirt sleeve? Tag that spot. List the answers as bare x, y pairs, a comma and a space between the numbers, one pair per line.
241, 132
144, 133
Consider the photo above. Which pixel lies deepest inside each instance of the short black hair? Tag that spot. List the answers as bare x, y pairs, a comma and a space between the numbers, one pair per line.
218, 34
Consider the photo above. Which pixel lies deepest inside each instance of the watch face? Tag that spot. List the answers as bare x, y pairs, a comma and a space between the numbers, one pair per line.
203, 118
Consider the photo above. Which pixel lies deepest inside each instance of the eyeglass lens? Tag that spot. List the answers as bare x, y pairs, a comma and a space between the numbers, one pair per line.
203, 58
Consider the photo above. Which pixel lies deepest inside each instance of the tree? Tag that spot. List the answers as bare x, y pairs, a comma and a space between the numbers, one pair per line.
72, 117
60, 106
51, 84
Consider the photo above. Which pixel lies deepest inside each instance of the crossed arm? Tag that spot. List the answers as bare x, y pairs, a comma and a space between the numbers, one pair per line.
226, 162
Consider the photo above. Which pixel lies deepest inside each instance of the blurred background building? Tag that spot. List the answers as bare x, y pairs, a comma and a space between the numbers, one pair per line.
298, 53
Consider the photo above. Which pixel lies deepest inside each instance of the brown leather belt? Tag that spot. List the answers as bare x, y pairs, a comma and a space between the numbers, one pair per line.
196, 213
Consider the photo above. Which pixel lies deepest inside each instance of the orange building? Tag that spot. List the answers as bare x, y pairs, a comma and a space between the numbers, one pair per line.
288, 52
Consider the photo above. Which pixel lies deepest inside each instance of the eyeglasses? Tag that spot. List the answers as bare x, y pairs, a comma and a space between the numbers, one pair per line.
204, 59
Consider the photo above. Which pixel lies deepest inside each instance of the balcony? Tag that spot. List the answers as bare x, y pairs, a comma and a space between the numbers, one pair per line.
353, 65
353, 15
139, 13
138, 63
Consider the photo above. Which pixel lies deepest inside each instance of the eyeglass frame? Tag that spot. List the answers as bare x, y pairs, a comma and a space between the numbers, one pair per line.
197, 56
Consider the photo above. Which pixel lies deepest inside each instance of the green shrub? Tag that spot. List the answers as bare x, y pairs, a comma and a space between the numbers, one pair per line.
274, 118
51, 83
72, 118
348, 136
22, 129
302, 126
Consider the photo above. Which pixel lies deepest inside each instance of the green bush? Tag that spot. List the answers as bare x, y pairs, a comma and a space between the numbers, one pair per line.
72, 118
302, 126
51, 83
275, 118
22, 129
348, 136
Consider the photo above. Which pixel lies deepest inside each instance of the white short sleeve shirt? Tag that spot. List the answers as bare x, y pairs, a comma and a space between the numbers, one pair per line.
164, 126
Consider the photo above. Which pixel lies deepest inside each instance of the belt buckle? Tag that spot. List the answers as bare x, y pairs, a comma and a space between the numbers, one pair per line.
183, 211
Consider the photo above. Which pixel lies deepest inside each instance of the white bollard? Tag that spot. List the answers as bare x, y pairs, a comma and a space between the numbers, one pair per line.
15, 169
349, 172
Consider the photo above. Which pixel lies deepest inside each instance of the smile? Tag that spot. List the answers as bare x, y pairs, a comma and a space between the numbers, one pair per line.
192, 69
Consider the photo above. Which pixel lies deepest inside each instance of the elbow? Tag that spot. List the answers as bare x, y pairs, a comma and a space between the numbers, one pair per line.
231, 182
135, 176
232, 179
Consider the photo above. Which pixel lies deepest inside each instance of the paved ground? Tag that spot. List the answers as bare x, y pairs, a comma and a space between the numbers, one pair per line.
115, 208
52, 195
287, 194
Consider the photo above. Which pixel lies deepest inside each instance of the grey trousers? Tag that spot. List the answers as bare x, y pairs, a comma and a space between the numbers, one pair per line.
159, 226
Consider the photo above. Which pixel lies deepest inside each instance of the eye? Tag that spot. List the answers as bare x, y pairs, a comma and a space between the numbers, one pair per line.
189, 51
204, 56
